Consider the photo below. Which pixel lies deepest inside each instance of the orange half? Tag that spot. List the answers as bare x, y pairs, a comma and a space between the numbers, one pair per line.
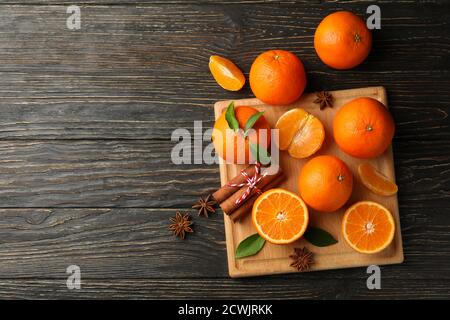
300, 133
368, 227
280, 216
226, 73
375, 181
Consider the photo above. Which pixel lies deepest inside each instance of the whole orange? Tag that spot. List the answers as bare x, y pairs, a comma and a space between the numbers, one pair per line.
363, 128
224, 137
342, 40
325, 183
277, 77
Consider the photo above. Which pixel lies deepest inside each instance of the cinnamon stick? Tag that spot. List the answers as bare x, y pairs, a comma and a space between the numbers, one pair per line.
248, 205
225, 191
229, 205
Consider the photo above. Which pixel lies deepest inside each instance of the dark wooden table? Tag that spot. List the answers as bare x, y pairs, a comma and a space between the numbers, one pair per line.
86, 120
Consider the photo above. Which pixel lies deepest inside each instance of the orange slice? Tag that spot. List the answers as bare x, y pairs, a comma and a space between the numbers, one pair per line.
300, 133
368, 227
226, 73
280, 216
376, 181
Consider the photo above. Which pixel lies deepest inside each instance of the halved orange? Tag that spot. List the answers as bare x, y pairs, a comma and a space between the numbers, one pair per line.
300, 133
226, 73
368, 227
280, 216
376, 181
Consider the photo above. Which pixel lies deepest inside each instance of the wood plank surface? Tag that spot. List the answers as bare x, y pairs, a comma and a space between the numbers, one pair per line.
96, 173
125, 243
85, 129
56, 83
139, 173
280, 288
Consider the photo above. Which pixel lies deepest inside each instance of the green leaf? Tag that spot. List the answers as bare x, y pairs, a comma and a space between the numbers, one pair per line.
319, 237
251, 122
231, 118
260, 154
250, 246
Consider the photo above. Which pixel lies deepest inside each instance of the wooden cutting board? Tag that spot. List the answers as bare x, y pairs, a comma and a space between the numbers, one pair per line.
274, 259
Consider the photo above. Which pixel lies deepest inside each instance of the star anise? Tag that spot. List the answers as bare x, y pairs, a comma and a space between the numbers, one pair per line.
205, 206
303, 259
324, 99
180, 225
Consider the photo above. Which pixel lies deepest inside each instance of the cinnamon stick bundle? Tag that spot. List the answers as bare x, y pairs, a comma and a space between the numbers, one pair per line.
248, 205
225, 192
228, 195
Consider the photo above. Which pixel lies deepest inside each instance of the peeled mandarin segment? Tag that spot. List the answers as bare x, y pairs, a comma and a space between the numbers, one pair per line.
368, 227
280, 216
226, 73
288, 125
376, 181
308, 140
300, 133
